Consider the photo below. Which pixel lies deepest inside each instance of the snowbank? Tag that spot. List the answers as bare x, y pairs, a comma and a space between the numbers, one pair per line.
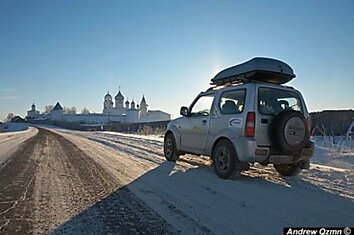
140, 136
10, 127
334, 151
10, 140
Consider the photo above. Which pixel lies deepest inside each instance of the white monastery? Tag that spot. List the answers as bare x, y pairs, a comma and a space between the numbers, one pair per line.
120, 111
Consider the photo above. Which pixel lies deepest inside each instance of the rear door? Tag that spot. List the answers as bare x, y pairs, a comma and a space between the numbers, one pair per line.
270, 102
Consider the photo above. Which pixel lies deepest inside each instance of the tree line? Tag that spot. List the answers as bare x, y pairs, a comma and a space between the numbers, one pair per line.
48, 108
66, 110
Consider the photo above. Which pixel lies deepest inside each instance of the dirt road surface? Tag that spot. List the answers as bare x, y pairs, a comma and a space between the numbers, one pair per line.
49, 181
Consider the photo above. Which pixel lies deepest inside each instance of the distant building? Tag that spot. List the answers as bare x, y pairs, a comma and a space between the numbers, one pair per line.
33, 112
119, 111
17, 119
57, 112
132, 113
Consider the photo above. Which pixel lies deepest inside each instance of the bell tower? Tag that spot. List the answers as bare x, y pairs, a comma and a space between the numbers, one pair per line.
143, 106
107, 103
119, 100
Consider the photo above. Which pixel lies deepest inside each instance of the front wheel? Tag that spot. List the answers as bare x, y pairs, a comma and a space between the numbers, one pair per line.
288, 169
170, 148
225, 159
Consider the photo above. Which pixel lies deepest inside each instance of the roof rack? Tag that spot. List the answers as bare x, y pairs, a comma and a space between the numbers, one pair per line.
257, 69
229, 83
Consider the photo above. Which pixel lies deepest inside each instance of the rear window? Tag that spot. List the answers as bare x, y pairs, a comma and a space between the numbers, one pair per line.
272, 101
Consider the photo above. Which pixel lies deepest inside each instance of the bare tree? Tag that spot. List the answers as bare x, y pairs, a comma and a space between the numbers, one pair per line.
48, 108
68, 110
85, 111
9, 117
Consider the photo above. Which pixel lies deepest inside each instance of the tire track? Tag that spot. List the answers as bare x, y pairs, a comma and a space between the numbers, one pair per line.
16, 180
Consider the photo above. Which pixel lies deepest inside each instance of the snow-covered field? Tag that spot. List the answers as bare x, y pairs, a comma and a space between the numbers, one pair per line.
190, 197
12, 127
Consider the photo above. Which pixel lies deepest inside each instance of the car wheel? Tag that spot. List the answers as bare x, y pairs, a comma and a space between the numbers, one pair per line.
289, 131
170, 149
225, 159
288, 169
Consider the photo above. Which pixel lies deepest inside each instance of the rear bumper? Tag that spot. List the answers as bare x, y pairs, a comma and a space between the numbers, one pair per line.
248, 151
301, 156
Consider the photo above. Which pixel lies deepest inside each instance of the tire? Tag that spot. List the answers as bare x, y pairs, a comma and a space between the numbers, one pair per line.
170, 148
289, 131
225, 161
288, 169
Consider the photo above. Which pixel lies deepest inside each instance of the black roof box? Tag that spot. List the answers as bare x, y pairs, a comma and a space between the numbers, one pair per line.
256, 69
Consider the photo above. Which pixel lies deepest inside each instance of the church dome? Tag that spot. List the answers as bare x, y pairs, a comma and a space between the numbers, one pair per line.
119, 96
108, 96
132, 105
127, 102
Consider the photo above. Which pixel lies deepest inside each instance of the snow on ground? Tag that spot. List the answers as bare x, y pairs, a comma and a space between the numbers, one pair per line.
147, 137
9, 141
190, 196
10, 127
337, 152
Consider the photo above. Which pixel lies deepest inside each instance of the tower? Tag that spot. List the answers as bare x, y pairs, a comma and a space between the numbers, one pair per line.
33, 112
107, 103
143, 106
127, 104
57, 112
119, 100
132, 105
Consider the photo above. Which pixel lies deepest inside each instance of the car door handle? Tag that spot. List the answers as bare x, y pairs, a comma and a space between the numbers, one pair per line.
204, 122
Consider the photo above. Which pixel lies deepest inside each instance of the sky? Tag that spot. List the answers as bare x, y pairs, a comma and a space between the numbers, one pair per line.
75, 51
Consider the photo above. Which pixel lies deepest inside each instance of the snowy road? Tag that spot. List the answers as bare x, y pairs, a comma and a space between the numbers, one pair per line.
50, 185
97, 181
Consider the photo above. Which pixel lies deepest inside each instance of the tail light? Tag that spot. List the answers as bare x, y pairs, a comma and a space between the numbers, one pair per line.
308, 122
250, 124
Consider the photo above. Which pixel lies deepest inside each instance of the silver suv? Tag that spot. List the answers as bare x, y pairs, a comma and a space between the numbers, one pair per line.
247, 116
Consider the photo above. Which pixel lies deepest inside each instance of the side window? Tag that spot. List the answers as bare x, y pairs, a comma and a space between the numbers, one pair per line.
232, 102
289, 103
202, 106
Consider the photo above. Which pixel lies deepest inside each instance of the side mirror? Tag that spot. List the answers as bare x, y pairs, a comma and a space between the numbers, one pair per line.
184, 111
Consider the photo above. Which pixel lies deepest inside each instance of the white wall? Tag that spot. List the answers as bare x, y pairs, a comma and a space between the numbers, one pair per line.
154, 116
116, 115
93, 118
56, 115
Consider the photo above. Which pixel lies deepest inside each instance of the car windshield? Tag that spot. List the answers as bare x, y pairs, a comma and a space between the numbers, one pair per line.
202, 106
272, 101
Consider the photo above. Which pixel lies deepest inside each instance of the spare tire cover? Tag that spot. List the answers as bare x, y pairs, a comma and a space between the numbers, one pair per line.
289, 131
